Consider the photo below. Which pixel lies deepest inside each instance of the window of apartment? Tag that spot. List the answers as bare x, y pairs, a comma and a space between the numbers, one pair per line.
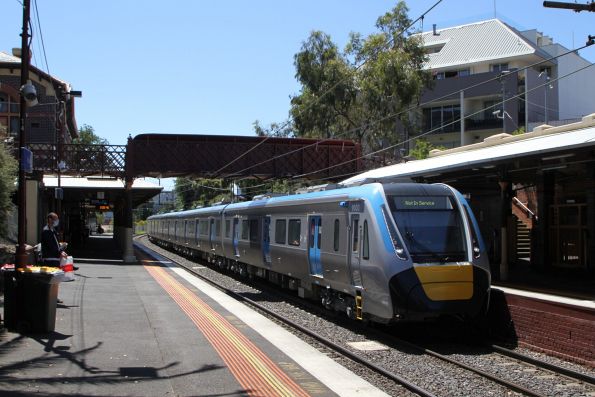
499, 67
9, 115
547, 70
442, 118
280, 231
294, 231
452, 73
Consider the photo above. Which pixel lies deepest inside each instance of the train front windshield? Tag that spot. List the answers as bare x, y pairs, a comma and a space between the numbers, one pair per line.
431, 228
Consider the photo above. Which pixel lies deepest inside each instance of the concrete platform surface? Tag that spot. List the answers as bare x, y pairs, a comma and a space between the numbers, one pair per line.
149, 329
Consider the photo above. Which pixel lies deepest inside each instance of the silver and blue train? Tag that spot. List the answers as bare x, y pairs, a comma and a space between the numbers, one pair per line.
380, 252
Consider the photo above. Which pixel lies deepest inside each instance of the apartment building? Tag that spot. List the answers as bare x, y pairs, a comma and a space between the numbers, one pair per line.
501, 80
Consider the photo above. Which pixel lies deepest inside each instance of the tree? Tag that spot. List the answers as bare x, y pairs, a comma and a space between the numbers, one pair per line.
8, 176
87, 136
362, 92
423, 148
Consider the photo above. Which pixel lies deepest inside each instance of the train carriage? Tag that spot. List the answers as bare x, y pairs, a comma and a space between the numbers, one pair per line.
385, 252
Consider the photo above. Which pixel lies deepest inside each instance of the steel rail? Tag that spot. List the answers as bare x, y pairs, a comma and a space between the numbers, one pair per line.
352, 356
383, 336
542, 364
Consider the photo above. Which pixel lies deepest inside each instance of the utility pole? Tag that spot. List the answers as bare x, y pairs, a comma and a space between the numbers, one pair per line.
570, 6
21, 255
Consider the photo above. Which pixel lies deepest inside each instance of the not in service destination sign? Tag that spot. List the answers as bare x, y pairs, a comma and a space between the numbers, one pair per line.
422, 203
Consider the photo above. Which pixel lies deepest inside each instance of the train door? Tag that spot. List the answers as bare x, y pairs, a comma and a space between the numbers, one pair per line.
266, 240
314, 241
212, 233
236, 236
354, 251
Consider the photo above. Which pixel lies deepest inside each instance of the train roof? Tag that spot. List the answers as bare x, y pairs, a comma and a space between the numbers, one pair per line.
344, 193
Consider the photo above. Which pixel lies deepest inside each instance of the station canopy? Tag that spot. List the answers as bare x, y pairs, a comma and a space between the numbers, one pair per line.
81, 188
545, 148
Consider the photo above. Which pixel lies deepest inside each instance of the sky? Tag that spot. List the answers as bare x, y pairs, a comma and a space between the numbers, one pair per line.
214, 67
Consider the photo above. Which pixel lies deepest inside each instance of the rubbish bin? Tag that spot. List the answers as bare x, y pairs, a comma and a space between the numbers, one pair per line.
30, 301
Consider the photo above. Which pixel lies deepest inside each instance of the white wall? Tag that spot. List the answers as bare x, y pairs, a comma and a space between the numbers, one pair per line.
575, 92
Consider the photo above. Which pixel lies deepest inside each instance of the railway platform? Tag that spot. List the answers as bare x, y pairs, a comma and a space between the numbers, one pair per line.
151, 329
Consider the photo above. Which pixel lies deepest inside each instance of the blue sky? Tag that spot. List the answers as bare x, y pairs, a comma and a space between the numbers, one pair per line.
214, 67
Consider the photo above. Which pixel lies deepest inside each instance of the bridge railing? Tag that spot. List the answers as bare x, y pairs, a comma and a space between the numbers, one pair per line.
79, 159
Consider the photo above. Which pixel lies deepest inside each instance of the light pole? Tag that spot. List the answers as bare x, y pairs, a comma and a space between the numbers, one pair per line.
28, 95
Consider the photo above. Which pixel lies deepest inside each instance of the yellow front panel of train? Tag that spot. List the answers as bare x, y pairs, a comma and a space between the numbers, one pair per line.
446, 282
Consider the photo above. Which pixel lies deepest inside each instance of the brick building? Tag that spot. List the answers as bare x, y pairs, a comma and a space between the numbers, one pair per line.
51, 121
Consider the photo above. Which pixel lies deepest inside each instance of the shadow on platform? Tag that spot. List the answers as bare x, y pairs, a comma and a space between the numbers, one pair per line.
568, 282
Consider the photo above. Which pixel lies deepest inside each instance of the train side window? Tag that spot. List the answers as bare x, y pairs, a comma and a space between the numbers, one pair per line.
245, 229
204, 228
280, 231
254, 230
355, 231
312, 229
217, 228
293, 233
319, 242
227, 228
365, 242
336, 236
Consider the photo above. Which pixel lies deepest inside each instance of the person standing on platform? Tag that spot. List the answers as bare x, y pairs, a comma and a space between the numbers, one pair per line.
51, 250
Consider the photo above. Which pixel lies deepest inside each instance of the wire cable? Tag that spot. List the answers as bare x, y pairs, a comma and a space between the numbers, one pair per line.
41, 37
412, 108
318, 99
442, 126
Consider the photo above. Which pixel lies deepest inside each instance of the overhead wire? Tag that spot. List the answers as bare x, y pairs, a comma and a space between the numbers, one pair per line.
418, 106
414, 107
411, 108
47, 66
441, 126
319, 98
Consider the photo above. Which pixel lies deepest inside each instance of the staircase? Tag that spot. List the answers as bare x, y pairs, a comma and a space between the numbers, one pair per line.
523, 241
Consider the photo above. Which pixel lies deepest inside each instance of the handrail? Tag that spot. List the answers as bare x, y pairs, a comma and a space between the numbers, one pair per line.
522, 206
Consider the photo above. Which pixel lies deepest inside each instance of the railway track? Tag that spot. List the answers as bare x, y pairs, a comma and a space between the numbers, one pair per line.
563, 379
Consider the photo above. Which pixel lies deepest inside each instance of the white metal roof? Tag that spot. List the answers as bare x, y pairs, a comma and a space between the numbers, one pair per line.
4, 57
96, 183
544, 139
476, 42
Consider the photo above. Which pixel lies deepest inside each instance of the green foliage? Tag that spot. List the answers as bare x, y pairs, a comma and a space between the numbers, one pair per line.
201, 192
87, 136
362, 92
519, 131
205, 192
8, 176
422, 149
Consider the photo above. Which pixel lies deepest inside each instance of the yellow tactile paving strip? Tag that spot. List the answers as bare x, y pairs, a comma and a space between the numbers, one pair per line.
255, 372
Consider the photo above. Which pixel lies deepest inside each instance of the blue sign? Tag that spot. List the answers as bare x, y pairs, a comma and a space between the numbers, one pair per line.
26, 160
